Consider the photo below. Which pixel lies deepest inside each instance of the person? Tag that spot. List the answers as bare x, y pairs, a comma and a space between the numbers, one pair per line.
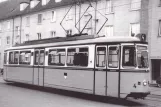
1, 71
142, 61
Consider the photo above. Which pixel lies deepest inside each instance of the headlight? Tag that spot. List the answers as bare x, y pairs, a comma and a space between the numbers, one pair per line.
144, 82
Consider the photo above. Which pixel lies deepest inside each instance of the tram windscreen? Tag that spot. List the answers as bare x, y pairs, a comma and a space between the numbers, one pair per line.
142, 57
129, 56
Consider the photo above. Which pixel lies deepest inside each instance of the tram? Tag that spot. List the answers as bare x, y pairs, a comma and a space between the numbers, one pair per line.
113, 66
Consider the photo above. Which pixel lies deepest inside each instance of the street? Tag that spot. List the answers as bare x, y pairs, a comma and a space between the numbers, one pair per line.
20, 95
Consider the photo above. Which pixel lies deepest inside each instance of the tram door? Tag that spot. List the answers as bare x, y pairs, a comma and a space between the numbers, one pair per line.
39, 59
100, 72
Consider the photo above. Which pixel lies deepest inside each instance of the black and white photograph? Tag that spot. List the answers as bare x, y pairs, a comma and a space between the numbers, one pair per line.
80, 53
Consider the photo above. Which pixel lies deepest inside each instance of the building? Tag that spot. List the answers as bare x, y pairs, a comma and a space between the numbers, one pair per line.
39, 19
155, 37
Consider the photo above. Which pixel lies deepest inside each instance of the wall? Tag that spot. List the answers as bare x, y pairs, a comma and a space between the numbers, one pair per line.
120, 19
4, 33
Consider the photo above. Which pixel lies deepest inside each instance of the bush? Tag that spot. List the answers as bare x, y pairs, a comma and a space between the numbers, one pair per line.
159, 81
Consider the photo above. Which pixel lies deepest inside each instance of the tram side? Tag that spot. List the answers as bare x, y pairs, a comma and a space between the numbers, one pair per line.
69, 68
106, 69
18, 65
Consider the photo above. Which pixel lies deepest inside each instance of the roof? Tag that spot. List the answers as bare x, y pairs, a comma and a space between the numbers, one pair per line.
11, 8
120, 39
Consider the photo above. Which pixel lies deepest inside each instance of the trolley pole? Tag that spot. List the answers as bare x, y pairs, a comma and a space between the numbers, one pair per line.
95, 19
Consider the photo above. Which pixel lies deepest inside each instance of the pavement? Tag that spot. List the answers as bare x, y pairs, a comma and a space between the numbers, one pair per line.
155, 90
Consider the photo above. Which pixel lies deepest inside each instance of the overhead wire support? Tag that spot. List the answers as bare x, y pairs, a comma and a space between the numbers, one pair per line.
79, 4
86, 23
65, 17
81, 18
102, 15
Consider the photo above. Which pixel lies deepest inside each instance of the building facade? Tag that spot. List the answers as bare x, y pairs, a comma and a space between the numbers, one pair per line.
155, 37
40, 19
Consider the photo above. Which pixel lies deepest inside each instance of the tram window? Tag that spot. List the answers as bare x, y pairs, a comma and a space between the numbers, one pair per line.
142, 57
25, 57
16, 56
5, 58
70, 56
42, 57
11, 58
101, 57
57, 57
113, 57
77, 57
129, 56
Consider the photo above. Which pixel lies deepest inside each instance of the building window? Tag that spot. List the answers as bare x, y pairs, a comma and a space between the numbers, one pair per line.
134, 29
53, 16
53, 33
69, 15
135, 4
23, 6
33, 3
39, 36
159, 3
27, 37
5, 58
7, 40
0, 42
3, 0
88, 21
159, 32
39, 18
57, 1
109, 6
69, 32
28, 21
0, 59
109, 30
17, 39
8, 25
17, 33
0, 27
17, 30
44, 2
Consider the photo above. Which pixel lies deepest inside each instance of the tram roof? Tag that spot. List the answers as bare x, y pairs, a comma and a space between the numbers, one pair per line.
65, 42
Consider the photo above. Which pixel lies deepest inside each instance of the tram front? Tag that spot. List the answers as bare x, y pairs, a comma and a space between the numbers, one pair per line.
134, 71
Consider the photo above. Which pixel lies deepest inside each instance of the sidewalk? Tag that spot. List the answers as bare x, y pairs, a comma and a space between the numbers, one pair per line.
155, 90
1, 79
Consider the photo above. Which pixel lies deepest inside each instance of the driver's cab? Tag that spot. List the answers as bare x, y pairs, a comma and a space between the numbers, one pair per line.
134, 56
